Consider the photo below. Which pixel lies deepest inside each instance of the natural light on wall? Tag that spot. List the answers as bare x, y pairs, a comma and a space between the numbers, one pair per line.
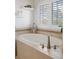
24, 18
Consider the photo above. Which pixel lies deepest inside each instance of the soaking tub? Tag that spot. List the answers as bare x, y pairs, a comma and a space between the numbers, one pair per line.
29, 47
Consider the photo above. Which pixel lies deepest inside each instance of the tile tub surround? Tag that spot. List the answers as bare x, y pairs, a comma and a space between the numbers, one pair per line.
26, 46
41, 31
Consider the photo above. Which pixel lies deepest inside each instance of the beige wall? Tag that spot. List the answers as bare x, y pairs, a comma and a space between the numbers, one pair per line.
23, 16
21, 3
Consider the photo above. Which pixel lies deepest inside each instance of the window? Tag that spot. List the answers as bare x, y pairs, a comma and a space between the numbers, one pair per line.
57, 11
45, 11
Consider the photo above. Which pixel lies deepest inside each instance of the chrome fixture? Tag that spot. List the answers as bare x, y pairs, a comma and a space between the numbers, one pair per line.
54, 46
48, 44
34, 28
29, 6
42, 45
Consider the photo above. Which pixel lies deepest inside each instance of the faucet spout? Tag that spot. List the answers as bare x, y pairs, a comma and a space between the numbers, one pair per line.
48, 44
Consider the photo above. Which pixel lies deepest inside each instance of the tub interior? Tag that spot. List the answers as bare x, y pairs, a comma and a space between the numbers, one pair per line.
41, 39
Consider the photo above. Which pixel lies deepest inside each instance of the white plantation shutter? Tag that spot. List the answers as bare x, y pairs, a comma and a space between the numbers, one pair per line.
57, 11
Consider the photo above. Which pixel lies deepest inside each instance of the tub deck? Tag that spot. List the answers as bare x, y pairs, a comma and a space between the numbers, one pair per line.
37, 50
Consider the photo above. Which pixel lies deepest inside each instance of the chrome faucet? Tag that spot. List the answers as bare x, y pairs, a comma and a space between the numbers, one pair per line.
48, 44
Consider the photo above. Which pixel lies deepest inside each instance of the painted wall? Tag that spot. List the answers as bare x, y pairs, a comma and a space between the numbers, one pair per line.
21, 3
24, 19
23, 16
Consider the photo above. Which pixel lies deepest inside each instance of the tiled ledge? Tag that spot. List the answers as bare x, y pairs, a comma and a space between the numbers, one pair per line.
49, 52
48, 32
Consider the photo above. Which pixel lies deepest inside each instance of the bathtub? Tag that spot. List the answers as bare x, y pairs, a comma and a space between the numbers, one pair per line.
29, 47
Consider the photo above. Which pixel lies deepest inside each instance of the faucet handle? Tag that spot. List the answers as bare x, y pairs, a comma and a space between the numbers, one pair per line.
42, 45
54, 46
